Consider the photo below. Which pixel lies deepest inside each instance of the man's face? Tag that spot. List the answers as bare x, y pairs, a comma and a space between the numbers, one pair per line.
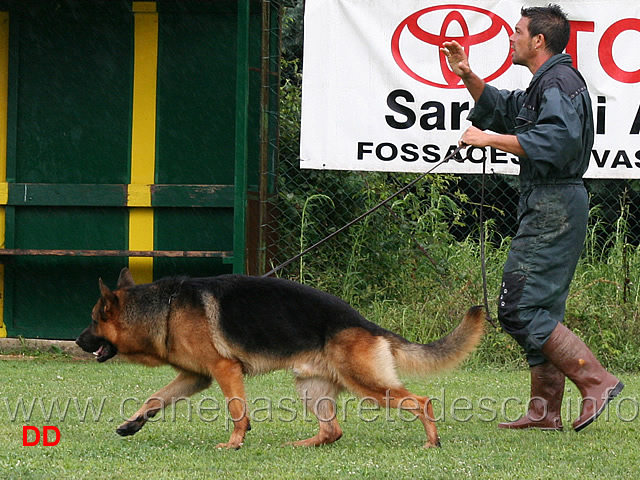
522, 44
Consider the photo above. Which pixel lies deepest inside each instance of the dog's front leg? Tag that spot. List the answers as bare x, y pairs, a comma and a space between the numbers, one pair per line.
183, 386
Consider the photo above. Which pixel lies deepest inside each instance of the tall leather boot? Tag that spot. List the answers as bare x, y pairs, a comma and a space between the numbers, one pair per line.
547, 389
597, 386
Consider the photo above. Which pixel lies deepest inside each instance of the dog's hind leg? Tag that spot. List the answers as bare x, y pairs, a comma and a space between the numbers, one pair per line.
365, 365
183, 386
229, 375
403, 399
393, 396
319, 396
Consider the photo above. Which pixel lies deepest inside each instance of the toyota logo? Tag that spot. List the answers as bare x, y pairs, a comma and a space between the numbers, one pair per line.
417, 40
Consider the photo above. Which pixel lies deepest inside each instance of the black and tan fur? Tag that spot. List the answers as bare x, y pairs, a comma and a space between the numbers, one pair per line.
229, 326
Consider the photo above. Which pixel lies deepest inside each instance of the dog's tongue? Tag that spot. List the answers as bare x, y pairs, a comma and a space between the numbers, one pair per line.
100, 351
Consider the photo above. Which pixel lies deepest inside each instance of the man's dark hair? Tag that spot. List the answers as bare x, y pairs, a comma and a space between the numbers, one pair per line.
551, 22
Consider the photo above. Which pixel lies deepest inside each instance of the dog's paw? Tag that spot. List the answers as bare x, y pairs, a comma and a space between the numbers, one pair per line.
229, 446
130, 427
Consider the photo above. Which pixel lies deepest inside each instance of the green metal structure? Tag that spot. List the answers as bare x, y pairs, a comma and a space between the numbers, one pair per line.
131, 134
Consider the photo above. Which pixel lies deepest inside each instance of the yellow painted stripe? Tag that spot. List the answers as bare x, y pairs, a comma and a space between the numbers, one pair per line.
4, 191
4, 199
143, 138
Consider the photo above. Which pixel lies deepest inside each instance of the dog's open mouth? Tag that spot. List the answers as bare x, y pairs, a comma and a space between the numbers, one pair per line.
105, 351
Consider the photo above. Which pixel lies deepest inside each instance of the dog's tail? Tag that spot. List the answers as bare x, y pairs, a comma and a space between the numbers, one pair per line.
443, 354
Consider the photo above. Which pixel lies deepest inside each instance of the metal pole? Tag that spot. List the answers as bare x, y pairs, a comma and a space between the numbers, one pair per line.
241, 154
263, 185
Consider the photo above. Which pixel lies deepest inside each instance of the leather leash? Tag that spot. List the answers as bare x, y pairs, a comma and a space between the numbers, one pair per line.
483, 258
387, 200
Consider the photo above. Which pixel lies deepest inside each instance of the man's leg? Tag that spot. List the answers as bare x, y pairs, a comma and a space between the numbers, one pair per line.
535, 286
547, 382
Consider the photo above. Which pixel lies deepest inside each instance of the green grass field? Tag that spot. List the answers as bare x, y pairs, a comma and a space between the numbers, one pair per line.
86, 401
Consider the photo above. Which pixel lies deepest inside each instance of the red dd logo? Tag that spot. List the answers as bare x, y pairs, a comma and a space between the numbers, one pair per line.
34, 439
417, 40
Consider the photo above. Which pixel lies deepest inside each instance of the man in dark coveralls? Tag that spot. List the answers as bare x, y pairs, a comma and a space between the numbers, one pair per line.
549, 126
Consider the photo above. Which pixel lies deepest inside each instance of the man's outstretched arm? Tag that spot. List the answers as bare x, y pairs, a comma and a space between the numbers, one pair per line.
459, 63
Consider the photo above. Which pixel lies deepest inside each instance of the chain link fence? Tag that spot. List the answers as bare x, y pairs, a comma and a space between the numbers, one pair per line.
414, 232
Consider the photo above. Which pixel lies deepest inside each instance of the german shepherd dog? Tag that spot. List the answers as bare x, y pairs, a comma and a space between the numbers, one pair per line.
229, 326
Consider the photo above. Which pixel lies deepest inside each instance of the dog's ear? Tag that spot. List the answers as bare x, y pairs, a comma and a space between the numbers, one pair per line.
109, 300
104, 290
125, 279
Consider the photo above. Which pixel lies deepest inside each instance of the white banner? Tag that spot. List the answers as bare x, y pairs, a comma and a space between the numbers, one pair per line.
378, 95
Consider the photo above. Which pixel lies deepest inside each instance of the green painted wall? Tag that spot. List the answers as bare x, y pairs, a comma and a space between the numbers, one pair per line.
69, 135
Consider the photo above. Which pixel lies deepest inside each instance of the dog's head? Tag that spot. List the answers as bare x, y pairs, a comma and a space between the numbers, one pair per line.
101, 337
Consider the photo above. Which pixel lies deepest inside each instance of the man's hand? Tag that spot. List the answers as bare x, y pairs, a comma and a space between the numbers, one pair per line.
477, 138
459, 63
458, 60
